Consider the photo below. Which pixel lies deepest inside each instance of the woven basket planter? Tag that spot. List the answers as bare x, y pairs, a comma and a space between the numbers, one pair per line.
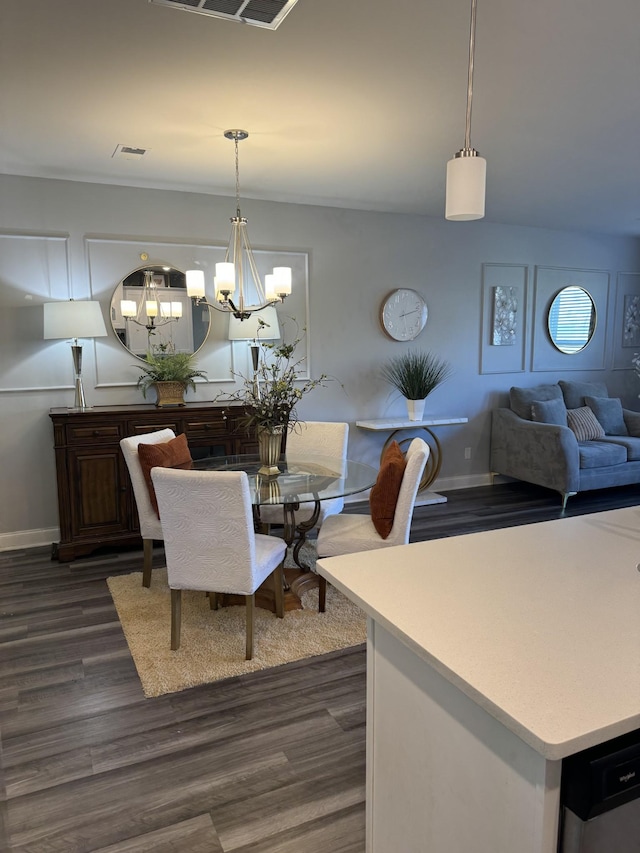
169, 394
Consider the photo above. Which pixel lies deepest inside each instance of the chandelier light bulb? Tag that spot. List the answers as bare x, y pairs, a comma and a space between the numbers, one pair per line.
128, 308
195, 284
226, 276
283, 280
270, 286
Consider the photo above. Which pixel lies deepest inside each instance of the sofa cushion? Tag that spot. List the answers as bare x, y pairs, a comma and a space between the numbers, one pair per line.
575, 392
584, 423
521, 399
549, 412
600, 454
630, 443
608, 410
632, 421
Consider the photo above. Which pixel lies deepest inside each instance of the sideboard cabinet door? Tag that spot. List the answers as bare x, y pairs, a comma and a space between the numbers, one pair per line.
96, 505
98, 490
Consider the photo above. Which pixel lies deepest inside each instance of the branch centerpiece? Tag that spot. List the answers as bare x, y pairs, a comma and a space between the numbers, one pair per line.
272, 394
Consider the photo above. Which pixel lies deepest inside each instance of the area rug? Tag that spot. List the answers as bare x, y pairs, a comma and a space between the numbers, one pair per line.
212, 642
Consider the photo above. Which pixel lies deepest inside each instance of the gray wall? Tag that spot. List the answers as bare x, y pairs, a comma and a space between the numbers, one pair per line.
48, 229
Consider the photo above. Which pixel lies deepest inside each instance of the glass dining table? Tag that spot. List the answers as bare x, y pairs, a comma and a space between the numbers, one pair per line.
311, 480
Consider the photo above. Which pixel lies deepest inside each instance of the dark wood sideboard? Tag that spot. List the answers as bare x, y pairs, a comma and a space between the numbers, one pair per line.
96, 505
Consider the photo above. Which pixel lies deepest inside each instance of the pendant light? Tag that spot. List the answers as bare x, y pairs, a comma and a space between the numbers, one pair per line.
467, 171
237, 277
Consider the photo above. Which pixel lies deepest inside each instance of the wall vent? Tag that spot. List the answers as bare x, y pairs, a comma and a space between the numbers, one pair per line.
128, 152
258, 13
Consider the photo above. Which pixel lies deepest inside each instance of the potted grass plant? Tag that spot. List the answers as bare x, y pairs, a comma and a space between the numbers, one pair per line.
170, 373
415, 375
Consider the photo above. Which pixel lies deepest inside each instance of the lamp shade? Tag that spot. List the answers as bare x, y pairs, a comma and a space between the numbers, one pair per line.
249, 329
466, 182
73, 320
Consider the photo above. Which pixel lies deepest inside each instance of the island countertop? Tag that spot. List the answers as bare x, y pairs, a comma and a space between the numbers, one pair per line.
538, 624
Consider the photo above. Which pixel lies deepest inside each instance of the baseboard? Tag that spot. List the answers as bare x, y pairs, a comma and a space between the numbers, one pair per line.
29, 538
450, 484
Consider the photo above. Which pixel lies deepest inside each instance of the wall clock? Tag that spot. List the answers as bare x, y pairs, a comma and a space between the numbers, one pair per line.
403, 314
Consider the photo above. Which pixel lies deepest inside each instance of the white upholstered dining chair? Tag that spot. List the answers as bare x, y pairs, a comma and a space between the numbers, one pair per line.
210, 543
307, 440
349, 533
150, 527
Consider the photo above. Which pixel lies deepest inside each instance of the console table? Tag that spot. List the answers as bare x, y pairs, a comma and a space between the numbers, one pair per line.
96, 505
434, 462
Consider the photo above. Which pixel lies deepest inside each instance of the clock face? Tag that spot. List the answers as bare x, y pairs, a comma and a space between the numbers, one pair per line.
403, 314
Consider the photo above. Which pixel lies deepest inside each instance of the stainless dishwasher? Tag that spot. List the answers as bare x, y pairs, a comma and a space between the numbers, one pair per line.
600, 798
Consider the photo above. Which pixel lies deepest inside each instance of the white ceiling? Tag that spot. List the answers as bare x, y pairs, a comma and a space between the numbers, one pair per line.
350, 103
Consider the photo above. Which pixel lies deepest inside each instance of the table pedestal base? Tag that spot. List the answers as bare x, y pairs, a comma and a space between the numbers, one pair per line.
296, 583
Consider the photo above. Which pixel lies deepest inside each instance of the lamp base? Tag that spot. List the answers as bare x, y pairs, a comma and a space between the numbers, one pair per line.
80, 401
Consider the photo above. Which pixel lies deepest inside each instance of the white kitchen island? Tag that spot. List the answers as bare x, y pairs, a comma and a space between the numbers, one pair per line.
491, 657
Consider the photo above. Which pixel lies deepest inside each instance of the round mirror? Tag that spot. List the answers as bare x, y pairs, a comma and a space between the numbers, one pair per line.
150, 311
572, 319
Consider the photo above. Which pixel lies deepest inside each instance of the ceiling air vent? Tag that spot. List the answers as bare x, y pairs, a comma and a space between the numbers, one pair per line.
258, 13
128, 152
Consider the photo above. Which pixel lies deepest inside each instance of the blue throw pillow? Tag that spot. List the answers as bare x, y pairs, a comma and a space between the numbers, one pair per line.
549, 412
520, 399
608, 410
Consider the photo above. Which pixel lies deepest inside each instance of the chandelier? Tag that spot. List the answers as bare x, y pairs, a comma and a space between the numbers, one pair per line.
150, 311
466, 171
233, 276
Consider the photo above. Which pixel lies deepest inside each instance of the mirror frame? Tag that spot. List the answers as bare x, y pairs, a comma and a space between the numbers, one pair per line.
192, 340
587, 326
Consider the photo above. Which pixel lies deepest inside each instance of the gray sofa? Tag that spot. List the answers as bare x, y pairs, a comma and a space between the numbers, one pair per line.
532, 440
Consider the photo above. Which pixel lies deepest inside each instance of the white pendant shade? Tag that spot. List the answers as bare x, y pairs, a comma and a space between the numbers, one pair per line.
466, 182
195, 283
128, 308
270, 286
283, 277
226, 276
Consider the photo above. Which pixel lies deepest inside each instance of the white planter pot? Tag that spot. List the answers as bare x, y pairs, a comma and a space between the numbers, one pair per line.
415, 409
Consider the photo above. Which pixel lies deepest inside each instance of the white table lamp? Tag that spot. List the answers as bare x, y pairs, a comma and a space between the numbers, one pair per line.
73, 320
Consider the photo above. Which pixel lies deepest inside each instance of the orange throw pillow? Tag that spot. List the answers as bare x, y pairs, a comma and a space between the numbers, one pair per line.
168, 455
384, 494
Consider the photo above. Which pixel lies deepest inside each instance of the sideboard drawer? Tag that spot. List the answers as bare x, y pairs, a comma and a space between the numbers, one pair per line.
94, 433
215, 424
142, 428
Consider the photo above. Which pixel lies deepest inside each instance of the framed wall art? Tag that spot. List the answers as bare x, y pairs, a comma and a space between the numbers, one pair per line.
504, 318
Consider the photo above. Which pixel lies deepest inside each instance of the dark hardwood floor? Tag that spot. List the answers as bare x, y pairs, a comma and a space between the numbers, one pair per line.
273, 761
